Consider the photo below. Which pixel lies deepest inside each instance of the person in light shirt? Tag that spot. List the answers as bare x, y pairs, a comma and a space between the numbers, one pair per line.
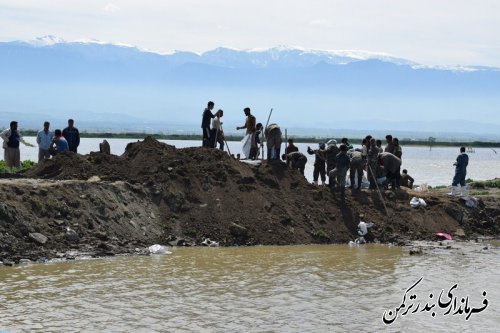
44, 138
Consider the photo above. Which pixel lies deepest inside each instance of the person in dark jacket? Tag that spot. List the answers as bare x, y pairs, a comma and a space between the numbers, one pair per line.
291, 147
460, 173
345, 141
331, 154
372, 163
11, 139
205, 124
72, 136
319, 163
406, 180
295, 160
342, 163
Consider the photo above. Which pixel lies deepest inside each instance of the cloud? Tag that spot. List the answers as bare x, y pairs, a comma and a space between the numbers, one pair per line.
111, 7
320, 23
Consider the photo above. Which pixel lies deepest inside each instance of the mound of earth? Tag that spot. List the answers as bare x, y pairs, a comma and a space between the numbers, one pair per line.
155, 193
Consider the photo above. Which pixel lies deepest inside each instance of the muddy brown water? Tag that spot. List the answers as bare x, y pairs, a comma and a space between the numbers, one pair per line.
328, 288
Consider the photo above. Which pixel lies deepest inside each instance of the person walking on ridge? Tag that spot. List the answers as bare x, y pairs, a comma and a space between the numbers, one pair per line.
460, 173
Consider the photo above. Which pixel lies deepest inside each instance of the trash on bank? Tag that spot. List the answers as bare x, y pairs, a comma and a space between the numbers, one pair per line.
417, 202
208, 242
470, 202
422, 188
443, 236
158, 249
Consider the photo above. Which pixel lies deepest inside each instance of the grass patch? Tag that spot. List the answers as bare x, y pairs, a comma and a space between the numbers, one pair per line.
320, 233
493, 183
480, 193
25, 165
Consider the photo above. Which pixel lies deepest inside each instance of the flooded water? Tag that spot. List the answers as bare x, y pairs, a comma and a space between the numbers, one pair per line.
328, 288
433, 167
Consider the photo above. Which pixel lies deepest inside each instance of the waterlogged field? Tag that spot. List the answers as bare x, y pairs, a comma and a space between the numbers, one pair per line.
433, 167
328, 288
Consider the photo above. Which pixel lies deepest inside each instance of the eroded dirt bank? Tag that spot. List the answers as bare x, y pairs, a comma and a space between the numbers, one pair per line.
154, 193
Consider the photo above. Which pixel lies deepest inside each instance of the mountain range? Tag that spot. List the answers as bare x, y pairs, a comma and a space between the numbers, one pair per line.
117, 87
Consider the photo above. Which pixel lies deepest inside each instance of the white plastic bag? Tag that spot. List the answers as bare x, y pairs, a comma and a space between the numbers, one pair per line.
417, 202
157, 249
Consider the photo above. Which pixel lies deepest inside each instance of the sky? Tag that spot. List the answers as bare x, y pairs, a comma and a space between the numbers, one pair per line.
429, 32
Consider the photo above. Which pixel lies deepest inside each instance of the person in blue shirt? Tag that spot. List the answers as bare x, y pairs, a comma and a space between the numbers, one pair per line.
59, 143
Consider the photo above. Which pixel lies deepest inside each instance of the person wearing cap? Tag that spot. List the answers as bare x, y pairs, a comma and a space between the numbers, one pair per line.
43, 138
319, 163
331, 154
11, 140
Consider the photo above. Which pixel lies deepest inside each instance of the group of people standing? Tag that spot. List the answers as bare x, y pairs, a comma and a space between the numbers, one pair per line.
332, 160
49, 143
213, 133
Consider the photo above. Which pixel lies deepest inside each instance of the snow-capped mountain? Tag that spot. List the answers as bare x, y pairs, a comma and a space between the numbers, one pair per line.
343, 88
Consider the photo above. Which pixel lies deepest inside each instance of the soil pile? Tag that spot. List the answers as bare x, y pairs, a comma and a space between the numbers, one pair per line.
155, 193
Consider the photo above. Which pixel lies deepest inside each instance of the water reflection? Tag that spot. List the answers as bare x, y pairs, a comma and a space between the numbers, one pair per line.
278, 289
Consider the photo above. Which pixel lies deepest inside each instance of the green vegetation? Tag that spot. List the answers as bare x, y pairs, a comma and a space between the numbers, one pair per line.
480, 193
24, 166
320, 233
493, 183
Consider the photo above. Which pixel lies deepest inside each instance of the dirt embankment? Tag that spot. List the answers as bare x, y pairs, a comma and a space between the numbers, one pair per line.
155, 193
